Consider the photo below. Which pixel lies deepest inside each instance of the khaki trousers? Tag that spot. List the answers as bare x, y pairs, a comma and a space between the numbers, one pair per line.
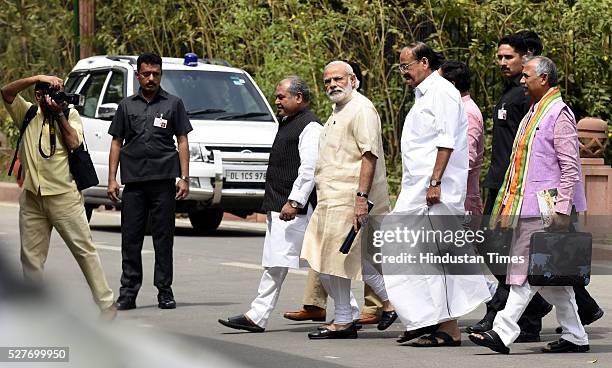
315, 294
38, 215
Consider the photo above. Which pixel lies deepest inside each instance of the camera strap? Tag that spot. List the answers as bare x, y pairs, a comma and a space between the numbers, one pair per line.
52, 138
30, 114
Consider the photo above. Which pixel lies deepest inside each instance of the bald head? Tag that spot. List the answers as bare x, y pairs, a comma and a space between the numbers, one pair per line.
292, 96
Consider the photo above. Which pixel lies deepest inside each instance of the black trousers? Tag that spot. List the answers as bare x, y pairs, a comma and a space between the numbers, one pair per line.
154, 199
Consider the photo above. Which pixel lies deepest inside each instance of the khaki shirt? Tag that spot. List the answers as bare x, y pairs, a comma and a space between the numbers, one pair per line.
352, 130
43, 176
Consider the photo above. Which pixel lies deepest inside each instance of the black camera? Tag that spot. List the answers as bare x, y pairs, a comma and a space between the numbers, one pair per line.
70, 98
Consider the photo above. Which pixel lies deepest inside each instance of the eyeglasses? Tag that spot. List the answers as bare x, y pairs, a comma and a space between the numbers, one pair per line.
406, 67
337, 79
148, 74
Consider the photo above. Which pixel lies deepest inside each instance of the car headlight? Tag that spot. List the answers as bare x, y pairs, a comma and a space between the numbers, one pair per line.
199, 153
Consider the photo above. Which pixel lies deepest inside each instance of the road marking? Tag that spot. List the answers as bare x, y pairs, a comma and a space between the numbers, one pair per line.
118, 249
330, 357
9, 204
253, 266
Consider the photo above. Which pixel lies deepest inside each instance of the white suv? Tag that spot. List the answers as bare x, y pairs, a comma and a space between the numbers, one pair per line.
233, 131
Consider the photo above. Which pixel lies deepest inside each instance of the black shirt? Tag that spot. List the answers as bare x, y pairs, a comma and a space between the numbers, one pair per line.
515, 104
148, 129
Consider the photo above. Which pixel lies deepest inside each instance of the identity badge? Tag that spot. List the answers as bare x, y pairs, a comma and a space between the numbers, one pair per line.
502, 113
160, 122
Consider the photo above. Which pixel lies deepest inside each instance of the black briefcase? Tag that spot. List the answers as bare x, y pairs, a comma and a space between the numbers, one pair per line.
560, 259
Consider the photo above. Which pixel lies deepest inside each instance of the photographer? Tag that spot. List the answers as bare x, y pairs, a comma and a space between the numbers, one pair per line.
50, 198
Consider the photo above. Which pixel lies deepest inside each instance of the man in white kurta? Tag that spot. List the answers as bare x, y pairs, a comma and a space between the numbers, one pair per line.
434, 181
288, 200
350, 170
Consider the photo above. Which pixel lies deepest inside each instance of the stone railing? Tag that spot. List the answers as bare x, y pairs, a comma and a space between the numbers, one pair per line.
596, 175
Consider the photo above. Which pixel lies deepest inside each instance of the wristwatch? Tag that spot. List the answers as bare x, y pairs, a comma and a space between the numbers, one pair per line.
294, 204
362, 194
434, 183
186, 178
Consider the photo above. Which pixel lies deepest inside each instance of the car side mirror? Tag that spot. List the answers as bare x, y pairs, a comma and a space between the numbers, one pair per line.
107, 111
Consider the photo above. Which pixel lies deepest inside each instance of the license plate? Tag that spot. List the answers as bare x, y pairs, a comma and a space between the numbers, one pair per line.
245, 176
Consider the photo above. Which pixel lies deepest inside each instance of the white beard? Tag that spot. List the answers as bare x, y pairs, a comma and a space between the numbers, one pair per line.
339, 98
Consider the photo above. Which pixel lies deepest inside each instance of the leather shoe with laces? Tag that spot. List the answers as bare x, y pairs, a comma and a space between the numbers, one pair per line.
347, 333
482, 326
564, 346
307, 314
166, 302
368, 319
126, 303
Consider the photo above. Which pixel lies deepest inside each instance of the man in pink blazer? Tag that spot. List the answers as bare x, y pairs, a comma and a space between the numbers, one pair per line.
554, 162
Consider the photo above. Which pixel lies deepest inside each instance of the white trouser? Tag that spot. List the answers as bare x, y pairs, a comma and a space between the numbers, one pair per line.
339, 288
562, 297
267, 295
375, 280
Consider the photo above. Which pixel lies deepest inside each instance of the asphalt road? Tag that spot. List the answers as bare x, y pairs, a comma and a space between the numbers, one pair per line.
216, 277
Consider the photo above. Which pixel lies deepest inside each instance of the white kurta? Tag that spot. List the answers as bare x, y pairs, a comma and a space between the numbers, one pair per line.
436, 120
283, 242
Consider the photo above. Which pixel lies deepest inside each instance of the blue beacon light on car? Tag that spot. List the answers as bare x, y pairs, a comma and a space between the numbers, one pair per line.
191, 59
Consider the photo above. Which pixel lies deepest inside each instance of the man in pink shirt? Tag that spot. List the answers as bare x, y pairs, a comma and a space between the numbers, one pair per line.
459, 74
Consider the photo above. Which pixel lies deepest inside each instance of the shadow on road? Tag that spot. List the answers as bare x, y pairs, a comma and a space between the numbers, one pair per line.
253, 356
189, 232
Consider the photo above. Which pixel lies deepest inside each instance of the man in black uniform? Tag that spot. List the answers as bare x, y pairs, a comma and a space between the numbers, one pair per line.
143, 129
512, 106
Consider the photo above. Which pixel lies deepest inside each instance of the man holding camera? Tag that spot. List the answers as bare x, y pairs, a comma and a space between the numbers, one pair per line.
51, 199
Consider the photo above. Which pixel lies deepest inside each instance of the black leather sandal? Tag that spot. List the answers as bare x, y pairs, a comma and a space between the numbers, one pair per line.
447, 340
490, 339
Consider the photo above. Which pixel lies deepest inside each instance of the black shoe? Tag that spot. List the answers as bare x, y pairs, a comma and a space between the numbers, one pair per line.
125, 303
564, 346
348, 333
357, 325
594, 318
240, 322
386, 320
587, 322
166, 301
524, 337
482, 326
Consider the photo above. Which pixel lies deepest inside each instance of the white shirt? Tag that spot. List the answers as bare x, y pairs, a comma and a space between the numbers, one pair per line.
436, 119
308, 146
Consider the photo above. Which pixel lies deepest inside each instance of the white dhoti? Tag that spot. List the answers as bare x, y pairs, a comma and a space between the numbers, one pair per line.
424, 294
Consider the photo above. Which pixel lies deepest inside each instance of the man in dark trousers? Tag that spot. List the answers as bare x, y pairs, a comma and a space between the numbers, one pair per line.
143, 129
512, 106
288, 201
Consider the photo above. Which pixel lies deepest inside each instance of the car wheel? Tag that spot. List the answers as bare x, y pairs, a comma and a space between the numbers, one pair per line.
206, 221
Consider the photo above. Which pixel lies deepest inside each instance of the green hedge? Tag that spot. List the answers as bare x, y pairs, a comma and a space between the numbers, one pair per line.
272, 39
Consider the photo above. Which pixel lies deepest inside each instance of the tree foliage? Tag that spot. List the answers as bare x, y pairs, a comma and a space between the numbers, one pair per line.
272, 39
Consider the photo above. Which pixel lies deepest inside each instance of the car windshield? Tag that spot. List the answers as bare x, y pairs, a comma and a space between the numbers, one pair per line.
216, 95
